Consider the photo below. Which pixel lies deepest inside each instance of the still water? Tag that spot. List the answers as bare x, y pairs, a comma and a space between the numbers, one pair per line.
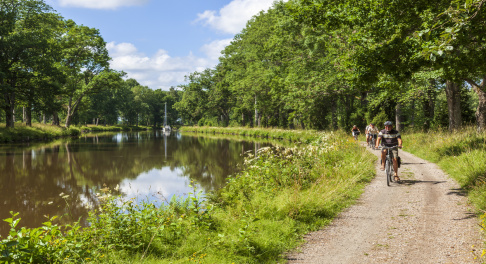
144, 165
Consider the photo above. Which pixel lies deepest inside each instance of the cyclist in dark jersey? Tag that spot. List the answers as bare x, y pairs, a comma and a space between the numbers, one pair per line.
391, 138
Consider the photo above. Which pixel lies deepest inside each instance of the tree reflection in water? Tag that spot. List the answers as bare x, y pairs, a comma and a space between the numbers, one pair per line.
149, 165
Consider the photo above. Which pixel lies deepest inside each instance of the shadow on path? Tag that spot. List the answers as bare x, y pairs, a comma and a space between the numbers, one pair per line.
410, 163
458, 191
467, 216
413, 182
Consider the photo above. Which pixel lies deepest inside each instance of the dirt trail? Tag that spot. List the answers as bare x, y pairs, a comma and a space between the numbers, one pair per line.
424, 219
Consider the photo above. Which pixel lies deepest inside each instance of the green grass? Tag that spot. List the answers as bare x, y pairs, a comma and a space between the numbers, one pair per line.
260, 214
93, 128
304, 136
44, 132
38, 132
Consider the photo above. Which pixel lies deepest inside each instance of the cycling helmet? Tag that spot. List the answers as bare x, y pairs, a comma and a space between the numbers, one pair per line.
388, 123
372, 124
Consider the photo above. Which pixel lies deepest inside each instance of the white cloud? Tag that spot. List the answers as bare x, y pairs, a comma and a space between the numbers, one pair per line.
157, 71
232, 18
101, 4
213, 49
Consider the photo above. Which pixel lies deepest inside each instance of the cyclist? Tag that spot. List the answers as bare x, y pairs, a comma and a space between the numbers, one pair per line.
372, 132
367, 134
391, 138
355, 131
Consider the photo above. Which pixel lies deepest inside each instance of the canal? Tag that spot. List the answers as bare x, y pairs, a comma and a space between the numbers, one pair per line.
64, 177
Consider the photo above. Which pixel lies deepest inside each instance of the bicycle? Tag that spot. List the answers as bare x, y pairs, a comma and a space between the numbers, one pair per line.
373, 141
389, 165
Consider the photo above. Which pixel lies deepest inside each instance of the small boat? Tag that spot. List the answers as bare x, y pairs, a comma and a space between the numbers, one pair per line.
166, 128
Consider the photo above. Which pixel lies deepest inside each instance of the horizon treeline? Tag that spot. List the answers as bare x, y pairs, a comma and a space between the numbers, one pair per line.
323, 64
53, 70
310, 64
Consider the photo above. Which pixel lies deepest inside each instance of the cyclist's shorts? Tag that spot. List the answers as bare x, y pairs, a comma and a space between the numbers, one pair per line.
394, 152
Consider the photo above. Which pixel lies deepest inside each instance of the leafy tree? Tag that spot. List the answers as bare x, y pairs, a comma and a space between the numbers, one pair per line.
85, 57
27, 30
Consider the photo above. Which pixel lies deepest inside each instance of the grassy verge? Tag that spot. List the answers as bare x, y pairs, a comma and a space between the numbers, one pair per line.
293, 135
37, 132
93, 128
43, 132
260, 214
461, 154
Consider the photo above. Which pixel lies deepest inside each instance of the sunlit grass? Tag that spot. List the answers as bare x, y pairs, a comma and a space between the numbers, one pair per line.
42, 132
23, 133
293, 135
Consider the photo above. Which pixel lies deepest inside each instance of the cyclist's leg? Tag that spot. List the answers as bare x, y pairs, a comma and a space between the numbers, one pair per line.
395, 161
383, 159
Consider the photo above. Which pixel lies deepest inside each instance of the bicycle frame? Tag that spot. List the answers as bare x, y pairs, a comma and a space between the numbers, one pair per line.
389, 165
373, 141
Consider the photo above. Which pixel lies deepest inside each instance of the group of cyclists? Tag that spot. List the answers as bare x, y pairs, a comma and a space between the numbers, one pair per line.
388, 137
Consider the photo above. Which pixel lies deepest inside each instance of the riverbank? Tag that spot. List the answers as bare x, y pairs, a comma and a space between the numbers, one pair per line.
45, 132
263, 212
304, 136
37, 132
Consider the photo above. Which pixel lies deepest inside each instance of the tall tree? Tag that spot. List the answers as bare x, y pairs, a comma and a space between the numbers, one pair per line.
27, 28
84, 57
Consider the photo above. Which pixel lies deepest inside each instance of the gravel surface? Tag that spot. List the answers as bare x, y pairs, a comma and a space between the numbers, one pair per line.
423, 219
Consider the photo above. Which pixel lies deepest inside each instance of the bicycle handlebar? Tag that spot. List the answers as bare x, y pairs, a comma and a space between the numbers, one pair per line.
397, 146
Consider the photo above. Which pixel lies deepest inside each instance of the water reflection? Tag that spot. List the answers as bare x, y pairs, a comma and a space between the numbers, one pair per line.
148, 165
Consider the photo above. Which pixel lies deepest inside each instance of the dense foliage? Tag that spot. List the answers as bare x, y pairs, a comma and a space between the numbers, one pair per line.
52, 69
324, 64
317, 64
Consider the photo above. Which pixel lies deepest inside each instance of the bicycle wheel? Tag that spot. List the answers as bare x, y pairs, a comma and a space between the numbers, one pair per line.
388, 171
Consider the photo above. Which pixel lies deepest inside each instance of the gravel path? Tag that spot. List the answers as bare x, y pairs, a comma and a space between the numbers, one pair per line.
423, 219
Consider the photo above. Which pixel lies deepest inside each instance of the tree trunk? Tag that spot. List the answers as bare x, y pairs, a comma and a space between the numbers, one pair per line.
55, 119
44, 118
481, 110
28, 116
412, 118
69, 116
9, 110
257, 120
428, 103
453, 94
24, 117
398, 117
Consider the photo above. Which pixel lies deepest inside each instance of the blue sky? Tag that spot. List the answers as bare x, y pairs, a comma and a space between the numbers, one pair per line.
158, 42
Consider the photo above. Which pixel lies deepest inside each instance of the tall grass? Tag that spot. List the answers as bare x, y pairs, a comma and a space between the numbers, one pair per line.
43, 132
304, 136
260, 214
93, 128
23, 133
